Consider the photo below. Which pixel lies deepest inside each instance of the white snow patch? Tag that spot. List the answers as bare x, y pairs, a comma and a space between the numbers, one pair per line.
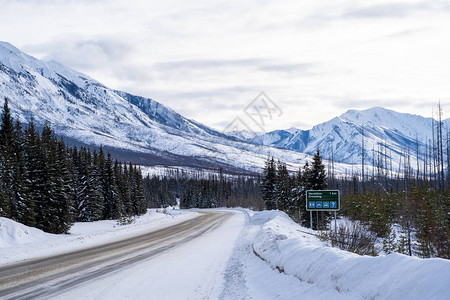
20, 242
13, 234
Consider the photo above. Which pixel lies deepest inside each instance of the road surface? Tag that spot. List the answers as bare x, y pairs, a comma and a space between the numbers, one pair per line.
54, 276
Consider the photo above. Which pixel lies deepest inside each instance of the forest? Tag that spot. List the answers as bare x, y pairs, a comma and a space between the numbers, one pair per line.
202, 190
48, 185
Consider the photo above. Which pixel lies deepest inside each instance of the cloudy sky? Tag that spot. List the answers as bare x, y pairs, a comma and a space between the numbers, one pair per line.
209, 59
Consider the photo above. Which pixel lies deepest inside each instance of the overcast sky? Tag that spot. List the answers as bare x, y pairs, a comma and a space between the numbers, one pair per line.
209, 59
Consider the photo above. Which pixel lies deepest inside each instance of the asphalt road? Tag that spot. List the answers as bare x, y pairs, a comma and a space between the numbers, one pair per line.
44, 277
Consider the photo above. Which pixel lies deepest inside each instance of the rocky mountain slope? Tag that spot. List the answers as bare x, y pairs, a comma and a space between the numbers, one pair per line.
84, 111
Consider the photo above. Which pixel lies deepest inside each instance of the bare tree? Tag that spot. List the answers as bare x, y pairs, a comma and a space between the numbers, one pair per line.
362, 157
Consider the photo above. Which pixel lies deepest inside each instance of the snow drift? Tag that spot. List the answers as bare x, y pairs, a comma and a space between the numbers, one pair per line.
13, 234
284, 246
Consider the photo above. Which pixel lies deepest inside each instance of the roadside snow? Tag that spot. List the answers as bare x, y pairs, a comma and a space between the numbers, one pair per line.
282, 244
19, 242
13, 234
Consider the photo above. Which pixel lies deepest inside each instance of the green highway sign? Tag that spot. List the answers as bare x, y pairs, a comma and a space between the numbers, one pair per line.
322, 200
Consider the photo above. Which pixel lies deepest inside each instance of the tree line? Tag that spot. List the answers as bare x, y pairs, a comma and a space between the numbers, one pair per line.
408, 215
202, 190
48, 185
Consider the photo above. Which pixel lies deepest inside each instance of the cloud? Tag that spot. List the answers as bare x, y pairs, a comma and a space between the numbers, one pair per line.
81, 53
305, 68
368, 103
407, 33
387, 10
213, 92
208, 64
327, 14
265, 65
396, 9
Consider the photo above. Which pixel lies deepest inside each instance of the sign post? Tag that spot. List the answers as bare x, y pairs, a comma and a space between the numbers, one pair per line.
325, 200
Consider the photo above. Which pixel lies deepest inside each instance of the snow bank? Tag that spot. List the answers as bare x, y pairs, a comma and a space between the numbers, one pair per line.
286, 246
19, 242
13, 234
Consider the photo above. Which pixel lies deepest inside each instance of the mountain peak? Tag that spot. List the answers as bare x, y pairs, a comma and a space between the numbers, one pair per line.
9, 47
293, 130
20, 62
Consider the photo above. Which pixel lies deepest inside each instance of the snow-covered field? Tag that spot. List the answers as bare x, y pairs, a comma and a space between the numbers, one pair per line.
262, 255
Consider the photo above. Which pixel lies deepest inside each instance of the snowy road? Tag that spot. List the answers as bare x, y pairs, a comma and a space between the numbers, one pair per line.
71, 272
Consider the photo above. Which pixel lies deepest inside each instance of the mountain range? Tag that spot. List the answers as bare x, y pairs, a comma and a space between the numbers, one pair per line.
85, 112
385, 132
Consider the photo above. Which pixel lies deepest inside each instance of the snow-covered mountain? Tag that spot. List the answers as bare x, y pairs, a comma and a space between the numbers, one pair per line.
85, 111
385, 131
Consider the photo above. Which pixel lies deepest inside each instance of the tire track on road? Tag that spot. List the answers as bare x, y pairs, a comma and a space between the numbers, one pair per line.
50, 275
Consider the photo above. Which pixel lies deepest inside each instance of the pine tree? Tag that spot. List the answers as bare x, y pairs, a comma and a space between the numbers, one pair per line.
112, 206
121, 174
62, 190
90, 205
317, 180
21, 187
139, 202
269, 181
77, 187
302, 185
33, 166
282, 187
46, 204
8, 205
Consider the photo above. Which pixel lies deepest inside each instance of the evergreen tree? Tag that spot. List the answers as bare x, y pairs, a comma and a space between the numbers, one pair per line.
317, 180
8, 205
47, 204
301, 186
33, 166
282, 187
268, 184
139, 203
90, 206
297, 193
121, 174
112, 206
62, 190
76, 178
21, 187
